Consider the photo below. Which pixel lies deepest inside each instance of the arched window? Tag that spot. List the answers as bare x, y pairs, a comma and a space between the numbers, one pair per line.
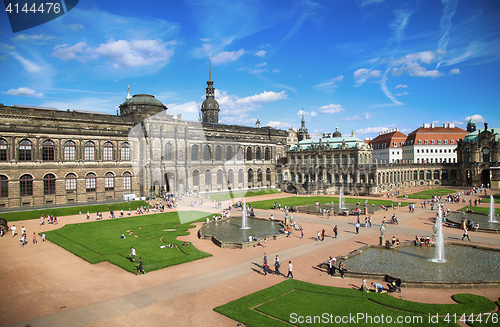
25, 150
208, 177
109, 181
3, 150
90, 182
428, 174
89, 151
194, 155
436, 174
268, 174
218, 153
230, 176
26, 185
206, 153
229, 153
239, 153
69, 151
421, 174
220, 177
125, 151
127, 181
259, 175
168, 152
107, 151
49, 184
48, 150
415, 175
250, 175
70, 183
4, 186
241, 176
196, 178
258, 153
249, 153
267, 154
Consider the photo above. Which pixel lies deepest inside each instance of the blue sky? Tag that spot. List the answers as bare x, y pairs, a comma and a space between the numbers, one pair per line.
366, 65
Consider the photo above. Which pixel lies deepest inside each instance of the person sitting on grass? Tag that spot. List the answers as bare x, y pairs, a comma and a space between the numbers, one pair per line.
186, 244
378, 287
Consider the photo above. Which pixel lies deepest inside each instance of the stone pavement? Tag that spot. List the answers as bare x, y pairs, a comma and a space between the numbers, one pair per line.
44, 285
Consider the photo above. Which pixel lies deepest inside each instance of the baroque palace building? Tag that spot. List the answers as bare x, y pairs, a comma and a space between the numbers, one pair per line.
50, 157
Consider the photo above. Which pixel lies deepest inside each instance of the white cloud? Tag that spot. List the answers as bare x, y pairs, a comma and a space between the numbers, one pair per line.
372, 130
261, 53
313, 114
400, 23
24, 37
258, 71
411, 64
385, 89
455, 71
225, 57
24, 92
206, 40
305, 113
261, 64
6, 47
29, 66
135, 53
331, 109
366, 2
401, 86
330, 85
66, 53
363, 116
363, 74
476, 118
278, 124
75, 27
276, 70
400, 94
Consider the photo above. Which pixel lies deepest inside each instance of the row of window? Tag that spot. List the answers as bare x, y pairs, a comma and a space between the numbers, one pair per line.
49, 183
229, 153
252, 176
484, 157
410, 142
437, 160
363, 159
25, 151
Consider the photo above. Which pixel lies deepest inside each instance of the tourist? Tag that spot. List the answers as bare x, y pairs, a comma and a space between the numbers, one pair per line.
42, 220
378, 287
265, 242
21, 239
254, 237
370, 220
264, 265
34, 238
132, 254
465, 234
272, 217
249, 238
277, 265
397, 242
139, 267
366, 222
290, 268
88, 215
23, 230
393, 240
43, 237
319, 236
13, 229
121, 213
357, 227
323, 235
335, 231
301, 233
342, 269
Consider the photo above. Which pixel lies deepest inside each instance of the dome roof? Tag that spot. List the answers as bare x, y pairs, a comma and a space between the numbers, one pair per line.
143, 99
210, 103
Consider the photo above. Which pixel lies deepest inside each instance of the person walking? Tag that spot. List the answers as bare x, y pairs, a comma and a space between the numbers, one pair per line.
139, 267
323, 235
277, 266
132, 254
319, 236
335, 231
357, 228
301, 233
43, 237
290, 268
34, 238
465, 234
13, 229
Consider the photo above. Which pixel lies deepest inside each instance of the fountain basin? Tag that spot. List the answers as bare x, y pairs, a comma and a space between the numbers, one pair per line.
466, 265
227, 233
314, 209
481, 218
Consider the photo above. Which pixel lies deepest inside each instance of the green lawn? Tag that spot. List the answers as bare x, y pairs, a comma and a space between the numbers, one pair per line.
496, 197
67, 211
480, 210
228, 195
429, 193
282, 304
301, 201
99, 241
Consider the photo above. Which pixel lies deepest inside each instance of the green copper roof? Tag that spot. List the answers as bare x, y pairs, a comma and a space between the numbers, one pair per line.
351, 142
473, 137
143, 99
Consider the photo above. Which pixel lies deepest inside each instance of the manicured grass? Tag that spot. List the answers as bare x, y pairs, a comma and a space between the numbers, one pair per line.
496, 198
480, 210
99, 241
301, 201
429, 193
228, 195
275, 305
67, 211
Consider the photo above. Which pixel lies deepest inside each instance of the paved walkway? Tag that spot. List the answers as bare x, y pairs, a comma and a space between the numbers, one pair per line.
45, 285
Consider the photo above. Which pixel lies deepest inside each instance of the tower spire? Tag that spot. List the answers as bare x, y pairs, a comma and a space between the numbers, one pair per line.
128, 94
210, 69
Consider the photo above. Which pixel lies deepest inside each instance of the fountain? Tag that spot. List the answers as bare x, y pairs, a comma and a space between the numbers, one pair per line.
439, 241
244, 216
341, 200
492, 210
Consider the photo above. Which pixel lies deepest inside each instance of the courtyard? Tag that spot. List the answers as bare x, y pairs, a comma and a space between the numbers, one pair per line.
45, 285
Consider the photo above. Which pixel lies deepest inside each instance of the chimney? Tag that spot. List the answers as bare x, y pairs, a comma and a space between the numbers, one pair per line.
451, 125
432, 125
426, 125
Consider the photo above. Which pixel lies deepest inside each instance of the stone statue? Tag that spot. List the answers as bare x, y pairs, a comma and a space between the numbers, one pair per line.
382, 230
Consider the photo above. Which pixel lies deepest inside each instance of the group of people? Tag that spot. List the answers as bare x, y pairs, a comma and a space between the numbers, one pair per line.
50, 220
332, 269
277, 266
23, 239
139, 266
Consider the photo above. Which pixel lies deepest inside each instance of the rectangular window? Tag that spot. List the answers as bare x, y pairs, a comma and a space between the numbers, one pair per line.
90, 184
4, 189
69, 153
3, 152
127, 182
89, 153
70, 185
109, 183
